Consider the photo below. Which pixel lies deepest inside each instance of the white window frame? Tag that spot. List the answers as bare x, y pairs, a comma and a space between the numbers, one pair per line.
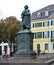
46, 13
45, 47
38, 14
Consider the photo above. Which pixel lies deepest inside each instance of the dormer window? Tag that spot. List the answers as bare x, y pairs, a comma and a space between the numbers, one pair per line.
38, 14
46, 13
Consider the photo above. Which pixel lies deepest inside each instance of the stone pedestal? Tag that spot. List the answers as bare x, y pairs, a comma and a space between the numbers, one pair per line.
25, 42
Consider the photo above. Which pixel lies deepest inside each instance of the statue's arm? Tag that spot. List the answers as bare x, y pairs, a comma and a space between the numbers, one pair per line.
27, 12
23, 13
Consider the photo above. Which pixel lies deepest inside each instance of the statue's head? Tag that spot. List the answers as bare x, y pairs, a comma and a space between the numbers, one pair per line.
26, 7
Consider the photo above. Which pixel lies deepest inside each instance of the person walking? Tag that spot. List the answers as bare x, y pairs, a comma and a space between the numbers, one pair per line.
6, 53
39, 52
3, 54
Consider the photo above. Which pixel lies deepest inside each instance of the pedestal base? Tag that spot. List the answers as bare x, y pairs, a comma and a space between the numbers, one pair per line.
24, 54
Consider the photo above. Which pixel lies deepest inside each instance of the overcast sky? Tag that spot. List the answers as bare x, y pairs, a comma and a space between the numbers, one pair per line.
15, 7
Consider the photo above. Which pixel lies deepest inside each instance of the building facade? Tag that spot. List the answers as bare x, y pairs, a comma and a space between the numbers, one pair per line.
42, 25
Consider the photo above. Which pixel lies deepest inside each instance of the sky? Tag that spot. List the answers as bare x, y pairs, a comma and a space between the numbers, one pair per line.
15, 7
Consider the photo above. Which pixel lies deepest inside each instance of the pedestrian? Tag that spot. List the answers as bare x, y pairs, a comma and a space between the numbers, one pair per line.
3, 54
39, 51
6, 53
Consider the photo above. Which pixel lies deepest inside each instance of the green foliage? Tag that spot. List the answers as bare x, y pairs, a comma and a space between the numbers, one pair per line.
8, 29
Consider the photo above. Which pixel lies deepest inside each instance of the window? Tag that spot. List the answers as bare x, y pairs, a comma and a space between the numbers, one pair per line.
45, 23
45, 34
52, 22
38, 46
38, 14
38, 24
34, 35
39, 35
53, 46
46, 46
46, 13
33, 25
52, 34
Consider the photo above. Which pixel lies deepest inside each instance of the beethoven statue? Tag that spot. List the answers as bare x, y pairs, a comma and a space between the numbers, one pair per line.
26, 18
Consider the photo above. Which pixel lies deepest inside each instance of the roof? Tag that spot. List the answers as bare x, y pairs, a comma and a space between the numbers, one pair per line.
49, 8
52, 16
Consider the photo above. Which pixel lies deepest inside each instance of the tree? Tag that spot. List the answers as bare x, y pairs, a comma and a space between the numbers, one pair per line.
8, 29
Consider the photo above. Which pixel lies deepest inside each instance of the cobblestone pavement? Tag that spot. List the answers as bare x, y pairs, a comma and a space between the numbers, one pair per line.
25, 60
40, 59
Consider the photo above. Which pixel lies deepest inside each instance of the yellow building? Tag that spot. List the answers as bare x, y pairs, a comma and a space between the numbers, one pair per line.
42, 25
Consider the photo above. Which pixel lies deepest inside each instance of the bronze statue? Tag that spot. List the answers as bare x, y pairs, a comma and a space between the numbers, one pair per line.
25, 36
26, 17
